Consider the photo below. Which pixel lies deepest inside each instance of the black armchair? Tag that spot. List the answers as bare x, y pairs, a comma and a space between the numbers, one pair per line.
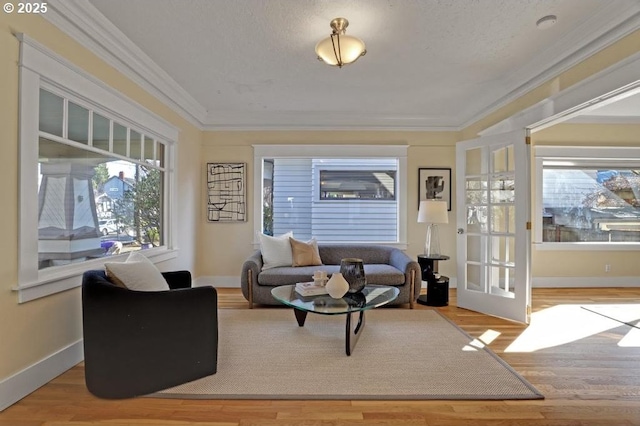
137, 342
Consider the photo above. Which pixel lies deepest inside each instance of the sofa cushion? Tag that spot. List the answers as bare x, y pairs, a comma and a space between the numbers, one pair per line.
291, 275
382, 274
377, 274
332, 254
305, 254
136, 273
276, 251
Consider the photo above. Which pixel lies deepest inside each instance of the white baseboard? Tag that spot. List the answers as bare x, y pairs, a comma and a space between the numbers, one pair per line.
21, 384
577, 282
217, 281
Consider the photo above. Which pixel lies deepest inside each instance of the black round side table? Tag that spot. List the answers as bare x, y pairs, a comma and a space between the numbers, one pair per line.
437, 285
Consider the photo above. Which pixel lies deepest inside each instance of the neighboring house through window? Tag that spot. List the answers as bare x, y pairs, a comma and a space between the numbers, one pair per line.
334, 194
93, 173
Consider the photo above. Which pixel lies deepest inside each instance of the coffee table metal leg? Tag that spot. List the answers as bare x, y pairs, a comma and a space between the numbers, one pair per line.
353, 334
301, 316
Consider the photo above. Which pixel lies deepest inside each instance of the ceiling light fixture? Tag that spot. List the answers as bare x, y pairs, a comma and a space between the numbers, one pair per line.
547, 21
340, 49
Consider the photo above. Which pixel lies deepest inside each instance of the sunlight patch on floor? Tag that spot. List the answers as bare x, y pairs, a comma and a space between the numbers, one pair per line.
623, 312
564, 324
632, 338
485, 339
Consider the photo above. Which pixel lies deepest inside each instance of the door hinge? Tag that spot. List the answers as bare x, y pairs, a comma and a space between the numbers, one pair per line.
528, 226
527, 140
528, 311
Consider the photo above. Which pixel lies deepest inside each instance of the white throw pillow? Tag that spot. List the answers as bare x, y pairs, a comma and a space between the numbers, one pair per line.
276, 251
136, 273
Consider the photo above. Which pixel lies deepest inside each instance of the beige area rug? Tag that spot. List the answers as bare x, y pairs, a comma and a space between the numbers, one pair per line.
402, 354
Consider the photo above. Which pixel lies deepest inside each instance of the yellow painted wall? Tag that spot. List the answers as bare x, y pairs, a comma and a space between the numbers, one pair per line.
426, 149
573, 263
34, 330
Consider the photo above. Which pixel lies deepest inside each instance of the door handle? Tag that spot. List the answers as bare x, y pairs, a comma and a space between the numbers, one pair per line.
460, 231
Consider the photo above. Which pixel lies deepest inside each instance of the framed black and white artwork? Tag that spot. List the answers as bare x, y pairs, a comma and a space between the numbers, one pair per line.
434, 184
226, 192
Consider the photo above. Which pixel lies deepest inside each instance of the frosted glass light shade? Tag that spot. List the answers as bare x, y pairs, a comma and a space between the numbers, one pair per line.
433, 211
347, 49
340, 49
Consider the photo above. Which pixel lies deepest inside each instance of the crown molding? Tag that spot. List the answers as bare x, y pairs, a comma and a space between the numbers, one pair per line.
55, 68
621, 22
327, 127
85, 24
326, 120
604, 119
76, 17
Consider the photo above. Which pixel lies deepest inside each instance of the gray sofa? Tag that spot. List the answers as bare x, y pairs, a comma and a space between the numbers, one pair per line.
383, 265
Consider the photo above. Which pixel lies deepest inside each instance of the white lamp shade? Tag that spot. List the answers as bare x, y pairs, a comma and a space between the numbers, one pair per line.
433, 211
351, 48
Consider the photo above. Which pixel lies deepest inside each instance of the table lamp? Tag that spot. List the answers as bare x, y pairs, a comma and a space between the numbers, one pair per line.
432, 212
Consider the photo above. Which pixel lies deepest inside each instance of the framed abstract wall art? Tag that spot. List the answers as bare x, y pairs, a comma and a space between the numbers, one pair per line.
226, 192
434, 184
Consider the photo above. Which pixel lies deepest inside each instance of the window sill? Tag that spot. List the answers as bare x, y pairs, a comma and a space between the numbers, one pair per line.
55, 280
595, 246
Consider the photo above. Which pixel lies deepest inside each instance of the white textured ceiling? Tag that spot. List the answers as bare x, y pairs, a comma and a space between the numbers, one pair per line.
429, 64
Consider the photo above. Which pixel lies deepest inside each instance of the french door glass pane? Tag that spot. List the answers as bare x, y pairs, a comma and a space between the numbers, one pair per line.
477, 219
474, 161
502, 189
502, 249
502, 282
503, 159
490, 240
503, 219
475, 248
474, 277
476, 192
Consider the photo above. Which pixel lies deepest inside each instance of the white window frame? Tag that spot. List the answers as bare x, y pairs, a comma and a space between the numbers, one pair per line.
621, 156
261, 152
40, 67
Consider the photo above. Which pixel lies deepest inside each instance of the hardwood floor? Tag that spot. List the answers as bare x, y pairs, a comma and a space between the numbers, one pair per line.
588, 374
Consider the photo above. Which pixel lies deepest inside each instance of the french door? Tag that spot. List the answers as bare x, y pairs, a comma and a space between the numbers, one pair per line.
493, 241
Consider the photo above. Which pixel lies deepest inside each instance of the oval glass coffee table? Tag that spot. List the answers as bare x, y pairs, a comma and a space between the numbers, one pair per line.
372, 296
